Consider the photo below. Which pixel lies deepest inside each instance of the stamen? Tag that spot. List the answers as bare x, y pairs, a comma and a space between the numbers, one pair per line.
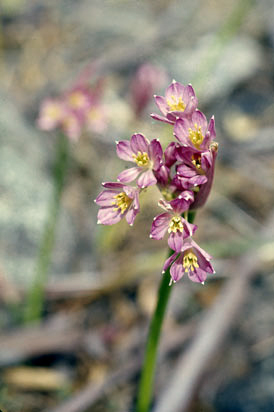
122, 202
190, 261
141, 159
176, 104
196, 161
196, 135
176, 225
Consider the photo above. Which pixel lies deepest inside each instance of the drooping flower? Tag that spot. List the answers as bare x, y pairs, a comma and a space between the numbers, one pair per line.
96, 118
71, 124
147, 156
116, 202
145, 82
172, 222
192, 260
191, 172
204, 190
179, 102
50, 114
195, 132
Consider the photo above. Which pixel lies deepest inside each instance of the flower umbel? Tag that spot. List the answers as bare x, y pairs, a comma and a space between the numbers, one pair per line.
183, 173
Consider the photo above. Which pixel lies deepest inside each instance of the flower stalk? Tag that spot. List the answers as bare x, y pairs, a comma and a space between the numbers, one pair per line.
148, 371
35, 298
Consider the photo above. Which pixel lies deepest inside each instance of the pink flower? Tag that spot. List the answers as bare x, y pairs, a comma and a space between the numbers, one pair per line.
192, 260
195, 132
172, 222
192, 172
95, 118
147, 156
116, 202
71, 124
50, 114
204, 190
78, 100
144, 84
179, 102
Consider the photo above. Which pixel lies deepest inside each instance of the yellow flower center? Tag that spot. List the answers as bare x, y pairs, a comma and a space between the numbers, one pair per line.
53, 111
196, 135
196, 161
141, 159
190, 261
77, 100
122, 202
175, 225
94, 114
176, 104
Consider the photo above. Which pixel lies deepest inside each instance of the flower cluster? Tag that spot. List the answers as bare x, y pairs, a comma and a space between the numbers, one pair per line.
77, 109
183, 172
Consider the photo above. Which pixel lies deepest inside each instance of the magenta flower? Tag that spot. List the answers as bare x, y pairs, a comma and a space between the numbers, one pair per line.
172, 222
147, 156
179, 102
192, 172
196, 172
116, 202
50, 114
195, 132
192, 260
187, 178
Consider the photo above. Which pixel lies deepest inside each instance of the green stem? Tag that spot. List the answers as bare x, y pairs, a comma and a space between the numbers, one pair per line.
147, 375
35, 299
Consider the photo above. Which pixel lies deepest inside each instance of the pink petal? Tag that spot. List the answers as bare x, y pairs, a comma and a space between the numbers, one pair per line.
105, 198
169, 261
175, 241
139, 143
146, 179
109, 216
161, 118
198, 275
181, 131
211, 128
175, 89
131, 215
124, 150
199, 118
155, 153
129, 175
161, 103
177, 270
159, 226
112, 185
